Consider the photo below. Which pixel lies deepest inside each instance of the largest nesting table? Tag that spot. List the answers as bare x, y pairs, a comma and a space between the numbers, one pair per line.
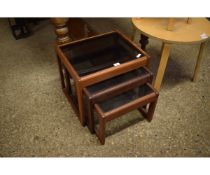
91, 60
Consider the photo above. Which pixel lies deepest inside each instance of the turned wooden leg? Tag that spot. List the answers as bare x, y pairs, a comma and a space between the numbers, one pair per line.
143, 41
162, 66
61, 30
198, 63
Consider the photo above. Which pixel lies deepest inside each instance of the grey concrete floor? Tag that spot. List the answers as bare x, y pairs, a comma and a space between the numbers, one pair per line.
37, 120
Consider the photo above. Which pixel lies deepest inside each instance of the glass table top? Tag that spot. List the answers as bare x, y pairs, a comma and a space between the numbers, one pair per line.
93, 55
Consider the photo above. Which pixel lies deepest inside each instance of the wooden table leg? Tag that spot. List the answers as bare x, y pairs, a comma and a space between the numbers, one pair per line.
162, 48
101, 131
151, 110
61, 73
79, 92
162, 66
90, 116
198, 62
143, 41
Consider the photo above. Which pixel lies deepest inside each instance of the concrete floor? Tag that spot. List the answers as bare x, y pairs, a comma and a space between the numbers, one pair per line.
37, 120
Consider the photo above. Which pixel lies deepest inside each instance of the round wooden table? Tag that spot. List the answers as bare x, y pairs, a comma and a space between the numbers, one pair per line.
173, 31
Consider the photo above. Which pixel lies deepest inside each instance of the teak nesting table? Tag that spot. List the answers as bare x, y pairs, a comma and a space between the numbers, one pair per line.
106, 69
77, 61
106, 89
119, 95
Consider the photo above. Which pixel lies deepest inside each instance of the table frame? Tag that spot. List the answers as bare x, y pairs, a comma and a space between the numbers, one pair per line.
84, 81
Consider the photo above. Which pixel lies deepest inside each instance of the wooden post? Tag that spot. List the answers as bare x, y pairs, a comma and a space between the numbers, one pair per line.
61, 30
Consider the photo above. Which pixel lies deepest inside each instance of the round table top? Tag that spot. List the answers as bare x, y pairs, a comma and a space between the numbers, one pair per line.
197, 31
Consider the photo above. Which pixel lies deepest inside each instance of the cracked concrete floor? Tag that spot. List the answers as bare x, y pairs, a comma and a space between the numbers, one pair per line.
37, 120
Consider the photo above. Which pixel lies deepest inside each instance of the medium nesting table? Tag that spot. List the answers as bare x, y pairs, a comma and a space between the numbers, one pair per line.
197, 30
114, 86
114, 97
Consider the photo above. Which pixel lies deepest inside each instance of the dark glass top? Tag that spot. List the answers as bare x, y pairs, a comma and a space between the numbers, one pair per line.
116, 80
89, 56
124, 98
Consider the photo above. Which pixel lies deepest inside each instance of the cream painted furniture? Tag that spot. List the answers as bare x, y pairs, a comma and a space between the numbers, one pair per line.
173, 31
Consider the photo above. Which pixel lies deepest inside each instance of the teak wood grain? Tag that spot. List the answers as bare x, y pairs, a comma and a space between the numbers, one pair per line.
109, 92
138, 103
83, 81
